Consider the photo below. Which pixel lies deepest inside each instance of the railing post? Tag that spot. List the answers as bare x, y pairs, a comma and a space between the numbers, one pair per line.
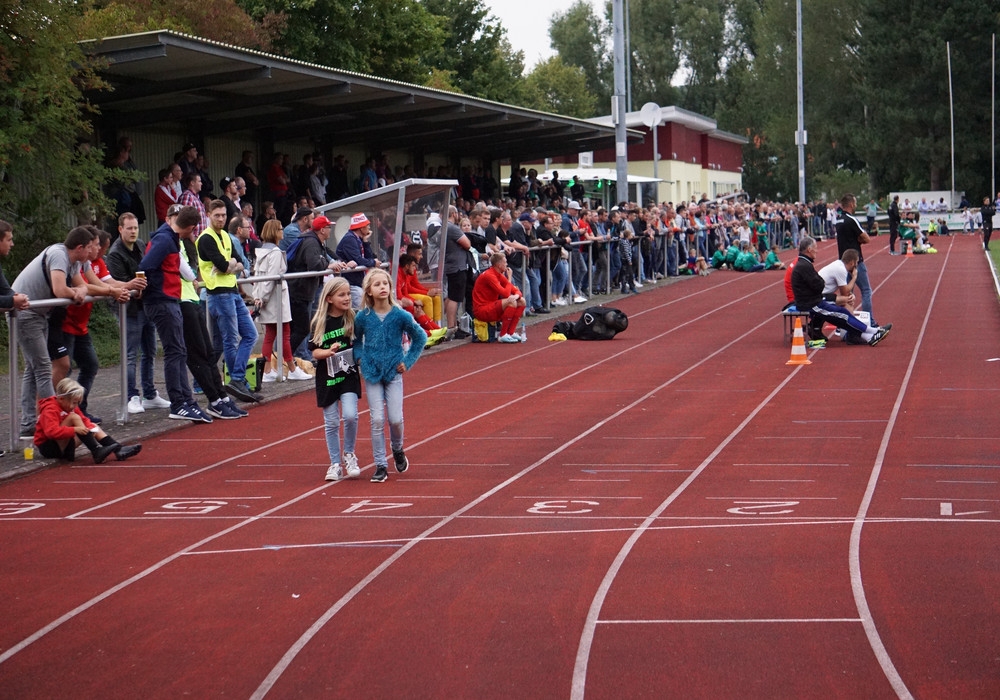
280, 334
123, 364
15, 399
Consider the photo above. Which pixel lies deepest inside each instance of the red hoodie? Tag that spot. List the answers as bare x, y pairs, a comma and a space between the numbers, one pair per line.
50, 418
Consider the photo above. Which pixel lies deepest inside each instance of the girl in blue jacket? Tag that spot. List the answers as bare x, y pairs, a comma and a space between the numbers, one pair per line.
380, 329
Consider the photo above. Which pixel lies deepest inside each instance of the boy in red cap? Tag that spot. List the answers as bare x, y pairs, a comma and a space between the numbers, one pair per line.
355, 248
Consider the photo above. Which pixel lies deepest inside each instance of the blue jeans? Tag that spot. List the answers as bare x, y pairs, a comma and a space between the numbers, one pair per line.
81, 349
535, 282
32, 339
560, 275
170, 326
141, 336
385, 397
347, 409
234, 334
866, 291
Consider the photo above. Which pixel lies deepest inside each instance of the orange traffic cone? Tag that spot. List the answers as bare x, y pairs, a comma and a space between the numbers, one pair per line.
909, 249
798, 346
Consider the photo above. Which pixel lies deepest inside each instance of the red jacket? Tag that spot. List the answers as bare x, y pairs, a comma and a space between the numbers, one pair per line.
50, 418
490, 287
408, 284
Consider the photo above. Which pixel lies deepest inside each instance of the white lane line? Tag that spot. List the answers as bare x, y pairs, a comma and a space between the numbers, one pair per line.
751, 621
210, 498
294, 650
944, 481
83, 482
782, 481
956, 466
790, 464
805, 437
937, 438
854, 553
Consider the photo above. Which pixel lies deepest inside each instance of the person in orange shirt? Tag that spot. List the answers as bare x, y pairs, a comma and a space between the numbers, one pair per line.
494, 299
413, 301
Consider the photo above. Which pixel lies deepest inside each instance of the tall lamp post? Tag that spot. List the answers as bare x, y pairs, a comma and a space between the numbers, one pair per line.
800, 134
618, 100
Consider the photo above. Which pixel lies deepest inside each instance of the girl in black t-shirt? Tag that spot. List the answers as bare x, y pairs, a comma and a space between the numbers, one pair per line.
338, 384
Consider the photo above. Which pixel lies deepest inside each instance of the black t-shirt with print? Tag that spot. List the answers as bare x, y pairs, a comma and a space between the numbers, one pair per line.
337, 374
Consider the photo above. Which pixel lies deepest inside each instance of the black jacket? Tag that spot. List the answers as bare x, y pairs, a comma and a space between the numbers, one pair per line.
807, 285
309, 256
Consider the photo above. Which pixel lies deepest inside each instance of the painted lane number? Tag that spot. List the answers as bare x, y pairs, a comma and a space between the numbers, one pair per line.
560, 507
762, 507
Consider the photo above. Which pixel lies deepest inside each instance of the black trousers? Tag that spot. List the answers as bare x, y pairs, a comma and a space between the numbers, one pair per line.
200, 352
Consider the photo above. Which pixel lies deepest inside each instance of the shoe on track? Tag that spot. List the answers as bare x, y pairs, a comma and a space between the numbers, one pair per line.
127, 451
381, 474
190, 412
402, 463
879, 334
351, 460
334, 473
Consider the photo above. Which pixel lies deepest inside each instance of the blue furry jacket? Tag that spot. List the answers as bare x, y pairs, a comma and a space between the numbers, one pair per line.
378, 343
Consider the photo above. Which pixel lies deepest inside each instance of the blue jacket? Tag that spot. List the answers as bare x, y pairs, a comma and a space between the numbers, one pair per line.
378, 343
353, 248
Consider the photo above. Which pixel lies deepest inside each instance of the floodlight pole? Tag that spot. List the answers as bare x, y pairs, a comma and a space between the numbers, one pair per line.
800, 134
618, 100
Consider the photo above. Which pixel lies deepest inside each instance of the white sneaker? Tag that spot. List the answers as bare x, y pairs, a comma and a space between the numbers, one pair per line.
156, 402
353, 470
560, 302
269, 377
334, 473
509, 339
579, 299
135, 405
638, 284
298, 374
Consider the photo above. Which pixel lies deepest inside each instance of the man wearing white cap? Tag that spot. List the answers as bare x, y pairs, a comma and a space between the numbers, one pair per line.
354, 247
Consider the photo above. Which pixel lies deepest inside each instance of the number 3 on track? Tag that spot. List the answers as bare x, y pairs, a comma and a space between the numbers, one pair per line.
559, 507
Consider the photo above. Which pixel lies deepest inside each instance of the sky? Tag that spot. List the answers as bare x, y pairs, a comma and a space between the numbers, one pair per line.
527, 23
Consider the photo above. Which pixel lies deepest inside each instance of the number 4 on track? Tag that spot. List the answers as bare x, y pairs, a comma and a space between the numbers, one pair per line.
367, 506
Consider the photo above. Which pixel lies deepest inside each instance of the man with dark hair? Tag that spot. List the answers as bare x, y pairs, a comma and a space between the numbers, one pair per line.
230, 193
851, 235
56, 272
456, 268
244, 170
161, 302
234, 331
123, 262
894, 219
191, 197
8, 299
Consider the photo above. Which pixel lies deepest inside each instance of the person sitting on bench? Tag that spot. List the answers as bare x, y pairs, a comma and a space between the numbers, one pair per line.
494, 299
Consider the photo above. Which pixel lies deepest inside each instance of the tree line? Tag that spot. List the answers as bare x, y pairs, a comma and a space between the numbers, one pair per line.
875, 78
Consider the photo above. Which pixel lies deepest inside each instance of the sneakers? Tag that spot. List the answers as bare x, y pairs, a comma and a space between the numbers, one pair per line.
234, 408
460, 335
560, 302
351, 460
241, 391
135, 405
298, 374
509, 338
879, 334
191, 412
269, 377
126, 451
334, 473
579, 299
222, 411
156, 402
104, 451
638, 284
399, 457
381, 474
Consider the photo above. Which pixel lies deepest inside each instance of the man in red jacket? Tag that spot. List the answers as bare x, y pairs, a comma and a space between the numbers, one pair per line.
494, 299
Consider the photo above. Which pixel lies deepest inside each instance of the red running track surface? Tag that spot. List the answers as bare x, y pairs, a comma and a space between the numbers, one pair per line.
675, 513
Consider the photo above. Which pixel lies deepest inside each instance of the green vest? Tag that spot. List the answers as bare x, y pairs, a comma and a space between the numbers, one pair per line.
210, 275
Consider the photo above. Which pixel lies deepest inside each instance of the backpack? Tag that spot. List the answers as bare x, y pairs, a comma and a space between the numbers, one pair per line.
596, 323
292, 250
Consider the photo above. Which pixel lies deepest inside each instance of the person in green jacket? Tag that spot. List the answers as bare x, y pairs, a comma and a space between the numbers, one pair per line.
771, 262
719, 257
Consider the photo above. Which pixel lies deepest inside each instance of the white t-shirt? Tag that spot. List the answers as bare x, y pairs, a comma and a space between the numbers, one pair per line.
834, 276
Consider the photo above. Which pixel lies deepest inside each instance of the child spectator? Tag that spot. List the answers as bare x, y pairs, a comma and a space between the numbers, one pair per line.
415, 302
267, 295
719, 257
338, 385
61, 426
379, 351
771, 262
626, 278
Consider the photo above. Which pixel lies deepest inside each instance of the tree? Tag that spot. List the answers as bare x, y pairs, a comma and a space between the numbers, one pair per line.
476, 51
46, 165
197, 17
555, 87
581, 39
903, 80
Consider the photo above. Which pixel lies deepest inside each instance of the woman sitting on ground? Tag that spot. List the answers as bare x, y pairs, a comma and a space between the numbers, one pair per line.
62, 426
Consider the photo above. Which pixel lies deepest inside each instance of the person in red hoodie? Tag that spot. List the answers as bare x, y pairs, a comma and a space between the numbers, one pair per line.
62, 426
415, 301
494, 299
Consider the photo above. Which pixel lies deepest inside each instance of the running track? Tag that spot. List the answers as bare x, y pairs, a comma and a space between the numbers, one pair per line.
675, 513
